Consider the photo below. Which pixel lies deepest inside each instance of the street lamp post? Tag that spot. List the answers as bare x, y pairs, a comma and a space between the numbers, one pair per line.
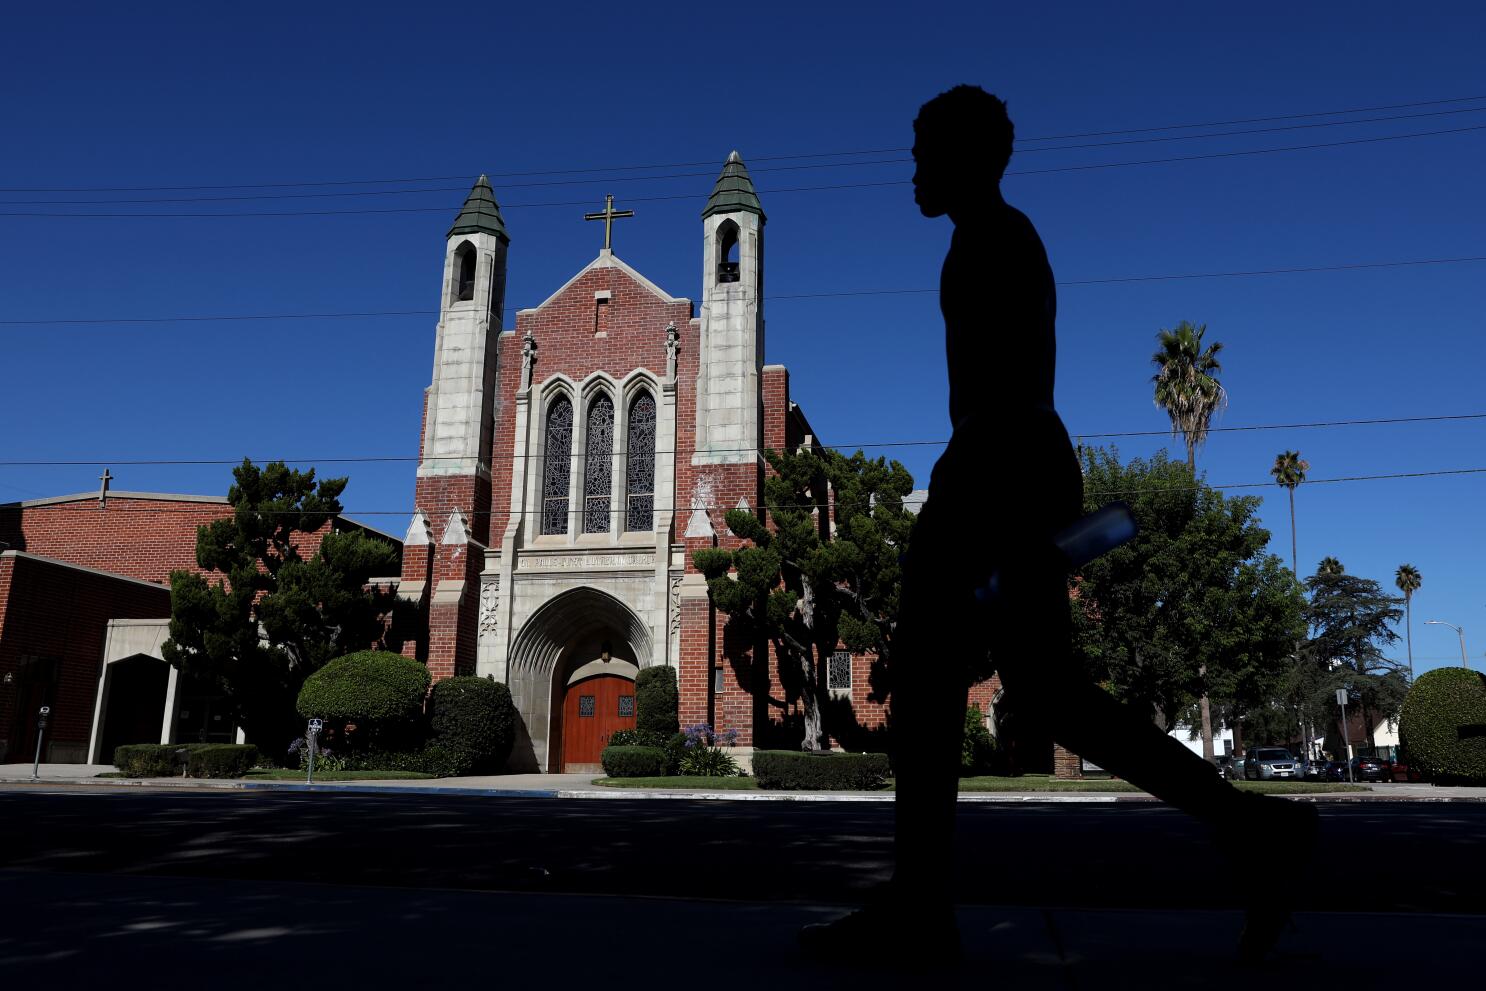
1437, 622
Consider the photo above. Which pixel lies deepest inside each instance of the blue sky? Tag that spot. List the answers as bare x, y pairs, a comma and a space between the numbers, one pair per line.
189, 95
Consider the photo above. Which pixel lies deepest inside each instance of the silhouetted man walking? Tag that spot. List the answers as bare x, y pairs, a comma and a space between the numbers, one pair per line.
1008, 481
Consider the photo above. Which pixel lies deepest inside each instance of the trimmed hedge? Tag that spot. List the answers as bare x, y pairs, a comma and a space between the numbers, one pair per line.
221, 760
634, 762
797, 770
368, 687
473, 718
429, 759
201, 760
1442, 728
657, 701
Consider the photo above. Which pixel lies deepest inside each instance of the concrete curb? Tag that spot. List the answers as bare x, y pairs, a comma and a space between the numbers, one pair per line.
639, 794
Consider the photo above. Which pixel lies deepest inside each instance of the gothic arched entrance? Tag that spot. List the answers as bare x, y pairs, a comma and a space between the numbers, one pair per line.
135, 702
571, 673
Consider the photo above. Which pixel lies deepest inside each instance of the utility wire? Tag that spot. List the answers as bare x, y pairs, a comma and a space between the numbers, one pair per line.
666, 176
372, 459
790, 189
752, 158
1299, 270
195, 507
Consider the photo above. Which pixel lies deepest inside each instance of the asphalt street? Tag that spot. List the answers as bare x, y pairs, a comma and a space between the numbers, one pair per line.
1378, 856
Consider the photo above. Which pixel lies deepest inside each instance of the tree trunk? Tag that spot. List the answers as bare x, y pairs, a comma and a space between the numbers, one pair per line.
812, 741
1408, 612
1293, 566
1207, 718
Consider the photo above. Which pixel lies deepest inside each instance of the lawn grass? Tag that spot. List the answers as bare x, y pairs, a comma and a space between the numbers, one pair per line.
290, 774
1024, 783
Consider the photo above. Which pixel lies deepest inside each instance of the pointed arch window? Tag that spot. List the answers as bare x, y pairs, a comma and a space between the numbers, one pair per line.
727, 252
464, 277
598, 465
640, 464
557, 466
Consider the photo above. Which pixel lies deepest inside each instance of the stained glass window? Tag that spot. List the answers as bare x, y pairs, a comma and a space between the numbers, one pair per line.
558, 465
598, 465
585, 704
640, 464
838, 674
626, 705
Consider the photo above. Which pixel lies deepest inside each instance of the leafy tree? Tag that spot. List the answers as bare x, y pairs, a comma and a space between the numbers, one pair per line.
1351, 619
1187, 388
1289, 471
1193, 606
274, 617
1408, 580
816, 578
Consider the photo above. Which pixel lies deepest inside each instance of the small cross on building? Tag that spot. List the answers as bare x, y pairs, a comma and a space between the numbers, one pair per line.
608, 215
103, 481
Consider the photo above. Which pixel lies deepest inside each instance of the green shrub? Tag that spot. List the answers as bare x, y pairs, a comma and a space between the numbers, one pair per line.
657, 701
793, 769
154, 760
674, 747
978, 749
221, 760
381, 692
432, 759
474, 718
1443, 725
708, 762
633, 762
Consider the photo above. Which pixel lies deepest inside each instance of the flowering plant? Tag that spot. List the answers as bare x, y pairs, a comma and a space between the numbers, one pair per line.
704, 756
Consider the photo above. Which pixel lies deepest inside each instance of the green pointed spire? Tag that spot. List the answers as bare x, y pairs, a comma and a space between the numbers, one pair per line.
734, 191
481, 214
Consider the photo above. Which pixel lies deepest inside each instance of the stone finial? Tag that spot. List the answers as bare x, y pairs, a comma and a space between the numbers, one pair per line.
673, 348
456, 532
528, 359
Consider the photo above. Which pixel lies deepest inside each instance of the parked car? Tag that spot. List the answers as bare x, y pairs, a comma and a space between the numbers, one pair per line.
1335, 770
1314, 770
1226, 766
1402, 770
1366, 767
1269, 764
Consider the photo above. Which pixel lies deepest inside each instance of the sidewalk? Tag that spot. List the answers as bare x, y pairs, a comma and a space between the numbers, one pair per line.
582, 786
252, 934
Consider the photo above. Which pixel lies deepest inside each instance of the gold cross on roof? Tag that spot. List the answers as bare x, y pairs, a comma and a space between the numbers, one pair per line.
608, 216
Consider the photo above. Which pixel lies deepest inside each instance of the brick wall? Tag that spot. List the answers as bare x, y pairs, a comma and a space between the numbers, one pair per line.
53, 611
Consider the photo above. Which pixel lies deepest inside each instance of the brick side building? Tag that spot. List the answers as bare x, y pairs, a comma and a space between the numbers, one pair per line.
84, 607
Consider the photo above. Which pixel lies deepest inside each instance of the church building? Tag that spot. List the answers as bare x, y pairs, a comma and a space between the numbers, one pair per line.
570, 466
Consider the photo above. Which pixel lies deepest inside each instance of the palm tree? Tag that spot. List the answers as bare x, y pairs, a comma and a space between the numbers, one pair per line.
1186, 383
1289, 471
1408, 579
1188, 390
1329, 566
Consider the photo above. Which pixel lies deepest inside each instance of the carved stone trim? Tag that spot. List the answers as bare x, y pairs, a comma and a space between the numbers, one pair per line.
489, 606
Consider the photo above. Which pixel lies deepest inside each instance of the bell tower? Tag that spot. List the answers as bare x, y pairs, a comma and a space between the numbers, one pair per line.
732, 321
445, 547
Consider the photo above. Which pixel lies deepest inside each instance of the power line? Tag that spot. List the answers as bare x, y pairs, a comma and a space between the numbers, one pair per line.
666, 176
1299, 270
752, 158
91, 215
371, 459
196, 508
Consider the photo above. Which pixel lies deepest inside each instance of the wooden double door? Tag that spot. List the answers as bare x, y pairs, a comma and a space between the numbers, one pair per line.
592, 710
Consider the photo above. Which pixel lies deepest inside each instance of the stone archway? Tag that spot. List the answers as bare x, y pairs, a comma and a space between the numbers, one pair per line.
560, 648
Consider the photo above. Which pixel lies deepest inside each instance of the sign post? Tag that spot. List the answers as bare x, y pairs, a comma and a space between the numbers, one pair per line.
312, 735
40, 732
1341, 700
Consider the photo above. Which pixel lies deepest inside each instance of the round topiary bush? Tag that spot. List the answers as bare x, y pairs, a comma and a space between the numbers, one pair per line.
379, 692
1443, 726
474, 718
657, 702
